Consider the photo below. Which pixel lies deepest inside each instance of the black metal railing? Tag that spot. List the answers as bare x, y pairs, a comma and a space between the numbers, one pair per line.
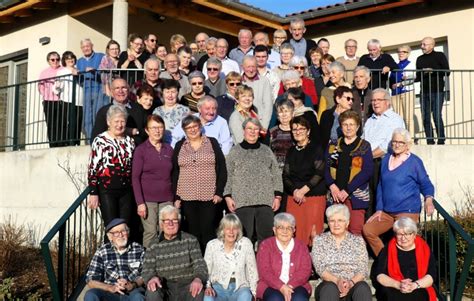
69, 246
453, 248
55, 112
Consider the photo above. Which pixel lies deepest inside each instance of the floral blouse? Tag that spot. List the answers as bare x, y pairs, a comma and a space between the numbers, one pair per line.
349, 259
239, 264
172, 118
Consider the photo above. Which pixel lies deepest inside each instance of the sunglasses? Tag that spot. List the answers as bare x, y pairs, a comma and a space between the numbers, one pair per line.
299, 67
348, 98
54, 60
234, 84
197, 84
212, 69
152, 40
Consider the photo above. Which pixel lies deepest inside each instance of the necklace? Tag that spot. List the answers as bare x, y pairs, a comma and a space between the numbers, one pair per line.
301, 147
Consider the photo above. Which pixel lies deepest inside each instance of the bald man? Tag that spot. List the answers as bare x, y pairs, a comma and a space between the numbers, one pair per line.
432, 80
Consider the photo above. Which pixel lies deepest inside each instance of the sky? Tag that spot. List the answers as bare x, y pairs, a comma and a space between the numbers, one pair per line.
284, 7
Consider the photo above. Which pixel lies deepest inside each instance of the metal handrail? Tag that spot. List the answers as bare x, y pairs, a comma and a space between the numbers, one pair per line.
76, 234
451, 282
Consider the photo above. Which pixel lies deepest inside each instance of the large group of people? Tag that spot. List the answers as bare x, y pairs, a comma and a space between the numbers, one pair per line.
221, 153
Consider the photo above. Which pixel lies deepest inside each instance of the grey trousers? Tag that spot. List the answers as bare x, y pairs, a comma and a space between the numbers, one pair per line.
173, 291
150, 224
328, 291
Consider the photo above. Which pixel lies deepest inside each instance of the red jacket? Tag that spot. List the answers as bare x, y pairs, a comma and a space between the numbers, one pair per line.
269, 263
308, 88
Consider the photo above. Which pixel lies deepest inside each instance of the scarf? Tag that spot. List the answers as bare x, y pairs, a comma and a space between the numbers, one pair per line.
422, 254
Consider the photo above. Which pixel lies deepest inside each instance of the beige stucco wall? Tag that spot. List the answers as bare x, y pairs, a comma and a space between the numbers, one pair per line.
36, 190
65, 33
457, 27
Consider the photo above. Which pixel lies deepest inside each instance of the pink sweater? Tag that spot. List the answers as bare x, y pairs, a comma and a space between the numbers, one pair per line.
47, 87
269, 263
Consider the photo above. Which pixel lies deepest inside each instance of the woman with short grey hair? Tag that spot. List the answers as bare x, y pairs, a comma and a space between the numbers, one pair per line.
300, 64
336, 76
110, 170
406, 267
341, 260
196, 81
284, 264
238, 281
254, 185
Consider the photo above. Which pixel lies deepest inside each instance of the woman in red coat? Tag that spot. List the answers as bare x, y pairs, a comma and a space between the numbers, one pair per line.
284, 263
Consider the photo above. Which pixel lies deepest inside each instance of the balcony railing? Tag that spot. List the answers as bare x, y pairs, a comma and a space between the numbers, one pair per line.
453, 248
25, 124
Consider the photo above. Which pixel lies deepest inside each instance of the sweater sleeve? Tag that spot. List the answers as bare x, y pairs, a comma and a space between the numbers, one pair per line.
137, 170
149, 263
379, 196
318, 175
95, 162
199, 265
175, 173
221, 169
426, 187
276, 173
235, 127
287, 181
230, 172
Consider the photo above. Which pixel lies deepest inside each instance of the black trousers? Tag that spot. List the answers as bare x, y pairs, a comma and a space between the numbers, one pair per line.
391, 294
374, 181
55, 113
120, 204
256, 220
328, 291
200, 220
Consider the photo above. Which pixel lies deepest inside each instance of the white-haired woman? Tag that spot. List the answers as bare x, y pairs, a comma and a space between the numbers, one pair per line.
336, 76
300, 64
406, 267
284, 263
238, 280
402, 178
110, 169
341, 260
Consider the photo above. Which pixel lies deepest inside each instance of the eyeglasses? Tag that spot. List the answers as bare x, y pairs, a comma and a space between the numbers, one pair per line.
152, 40
252, 129
212, 69
171, 62
54, 60
378, 99
395, 142
197, 83
402, 51
191, 127
170, 222
119, 233
348, 98
284, 229
155, 128
348, 125
350, 46
280, 38
404, 235
299, 67
234, 84
299, 130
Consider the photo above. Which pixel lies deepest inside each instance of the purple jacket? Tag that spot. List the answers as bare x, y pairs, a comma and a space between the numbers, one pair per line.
151, 173
269, 263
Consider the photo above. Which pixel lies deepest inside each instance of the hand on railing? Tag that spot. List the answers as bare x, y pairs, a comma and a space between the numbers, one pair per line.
429, 207
93, 201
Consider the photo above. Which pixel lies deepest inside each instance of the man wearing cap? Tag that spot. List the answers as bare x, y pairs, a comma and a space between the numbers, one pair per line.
115, 269
174, 269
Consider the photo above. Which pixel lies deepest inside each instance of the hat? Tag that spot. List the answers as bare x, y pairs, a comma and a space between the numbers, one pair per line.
114, 222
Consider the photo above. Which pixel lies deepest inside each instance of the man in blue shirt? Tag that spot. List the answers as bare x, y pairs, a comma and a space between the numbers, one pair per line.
90, 81
213, 125
378, 132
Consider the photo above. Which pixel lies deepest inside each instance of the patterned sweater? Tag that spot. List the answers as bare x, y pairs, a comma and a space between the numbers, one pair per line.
253, 175
178, 259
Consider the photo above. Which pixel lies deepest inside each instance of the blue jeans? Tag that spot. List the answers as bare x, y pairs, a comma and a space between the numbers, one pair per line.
96, 294
94, 99
229, 294
432, 104
299, 294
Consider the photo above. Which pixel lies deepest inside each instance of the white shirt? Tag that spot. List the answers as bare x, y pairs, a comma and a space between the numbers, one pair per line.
286, 260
